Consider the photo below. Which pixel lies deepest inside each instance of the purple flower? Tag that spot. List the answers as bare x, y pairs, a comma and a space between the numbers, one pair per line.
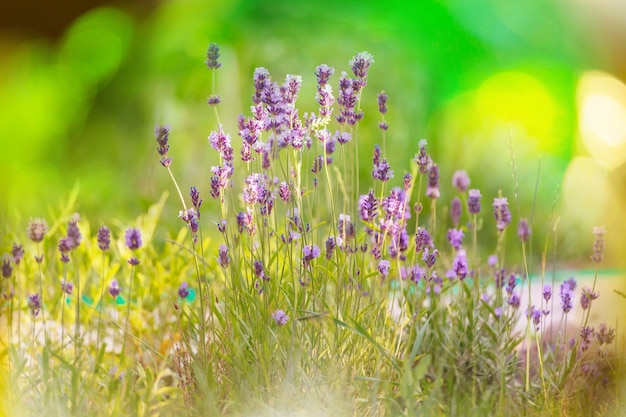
183, 291
598, 244
422, 239
456, 209
459, 265
221, 226
212, 55
430, 257
196, 201
162, 134
214, 100
547, 292
587, 297
64, 248
280, 317
368, 206
133, 238
114, 289
569, 285
382, 102
383, 268
492, 260
455, 237
310, 252
460, 180
432, 191
341, 137
17, 252
291, 87
284, 192
67, 287
514, 300
523, 230
259, 272
566, 299
422, 159
534, 314
37, 229
473, 201
330, 247
360, 64
501, 213
220, 141
73, 234
133, 261
223, 259
381, 171
346, 227
605, 335
34, 303
586, 335
104, 238
323, 73
7, 269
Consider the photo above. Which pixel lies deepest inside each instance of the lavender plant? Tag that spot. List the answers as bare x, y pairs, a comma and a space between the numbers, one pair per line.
299, 285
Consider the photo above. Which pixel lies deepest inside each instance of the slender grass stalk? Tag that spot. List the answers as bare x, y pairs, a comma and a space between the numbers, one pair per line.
100, 306
128, 302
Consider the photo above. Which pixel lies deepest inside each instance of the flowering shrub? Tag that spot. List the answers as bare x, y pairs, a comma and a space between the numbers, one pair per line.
311, 289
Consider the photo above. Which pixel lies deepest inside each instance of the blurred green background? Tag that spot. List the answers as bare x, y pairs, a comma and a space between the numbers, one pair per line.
480, 79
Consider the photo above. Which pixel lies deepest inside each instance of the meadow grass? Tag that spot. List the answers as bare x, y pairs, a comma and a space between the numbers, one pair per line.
303, 290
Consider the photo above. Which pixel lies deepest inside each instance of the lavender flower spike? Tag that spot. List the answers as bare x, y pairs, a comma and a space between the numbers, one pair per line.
104, 238
133, 238
280, 317
501, 213
598, 244
460, 180
37, 229
473, 201
212, 55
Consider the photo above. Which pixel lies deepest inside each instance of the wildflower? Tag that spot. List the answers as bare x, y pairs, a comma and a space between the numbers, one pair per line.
104, 238
511, 284
323, 73
360, 64
368, 206
259, 272
455, 237
346, 227
566, 298
221, 226
498, 311
67, 287
422, 239
459, 265
223, 259
341, 137
586, 335
291, 87
587, 297
64, 248
492, 260
534, 314
383, 268
381, 171
310, 252
280, 317
330, 246
514, 300
501, 213
456, 209
605, 335
422, 158
212, 55
196, 201
325, 99
34, 303
460, 180
414, 273
73, 234
569, 284
430, 257
382, 102
17, 252
133, 238
432, 190
547, 292
114, 289
598, 244
473, 201
162, 134
37, 229
220, 141
7, 269
183, 291
523, 230
435, 281
284, 192
214, 100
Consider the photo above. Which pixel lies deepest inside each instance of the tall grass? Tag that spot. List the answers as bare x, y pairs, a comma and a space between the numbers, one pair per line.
301, 290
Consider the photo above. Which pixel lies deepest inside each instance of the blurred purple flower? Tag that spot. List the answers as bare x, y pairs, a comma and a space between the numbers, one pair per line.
460, 180
132, 237
473, 201
280, 317
104, 238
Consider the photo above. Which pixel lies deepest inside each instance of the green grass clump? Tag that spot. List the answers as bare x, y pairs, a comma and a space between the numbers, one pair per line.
301, 290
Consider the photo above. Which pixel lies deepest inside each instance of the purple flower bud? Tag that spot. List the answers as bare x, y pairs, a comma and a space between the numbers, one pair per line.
104, 238
330, 247
259, 272
382, 102
7, 269
67, 287
323, 73
368, 206
360, 64
455, 237
492, 260
162, 137
73, 234
310, 252
473, 201
422, 239
133, 238
196, 201
133, 261
212, 55
114, 289
514, 300
523, 230
34, 303
460, 180
586, 335
214, 100
220, 141
430, 257
547, 292
64, 248
422, 159
383, 268
432, 191
37, 229
17, 252
183, 291
223, 259
501, 213
280, 317
598, 244
459, 265
456, 210
587, 297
